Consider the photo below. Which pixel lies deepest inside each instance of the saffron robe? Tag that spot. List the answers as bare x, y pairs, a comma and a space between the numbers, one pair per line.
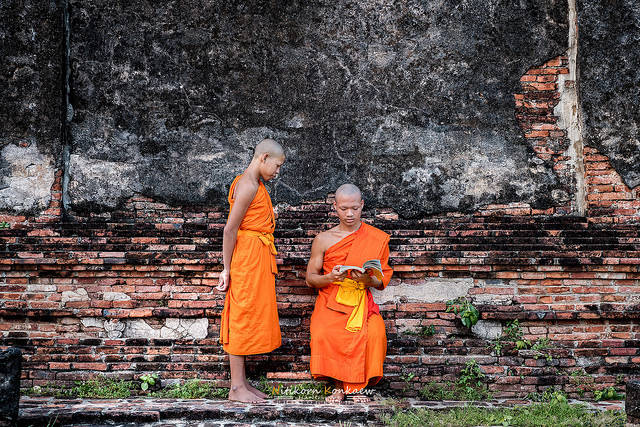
249, 323
355, 358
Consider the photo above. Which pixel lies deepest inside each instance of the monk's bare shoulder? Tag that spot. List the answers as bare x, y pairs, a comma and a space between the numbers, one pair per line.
323, 240
245, 187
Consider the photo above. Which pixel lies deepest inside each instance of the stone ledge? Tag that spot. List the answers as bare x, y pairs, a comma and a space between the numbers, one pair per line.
46, 410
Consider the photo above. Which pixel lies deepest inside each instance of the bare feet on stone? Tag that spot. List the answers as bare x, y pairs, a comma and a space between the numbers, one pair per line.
336, 397
243, 394
255, 391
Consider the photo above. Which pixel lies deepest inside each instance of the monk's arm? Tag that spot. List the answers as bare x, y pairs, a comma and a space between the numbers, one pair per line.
244, 194
314, 276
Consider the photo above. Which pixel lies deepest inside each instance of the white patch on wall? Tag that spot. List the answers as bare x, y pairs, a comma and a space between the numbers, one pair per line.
171, 328
115, 296
101, 180
28, 180
428, 291
80, 294
114, 328
92, 322
487, 329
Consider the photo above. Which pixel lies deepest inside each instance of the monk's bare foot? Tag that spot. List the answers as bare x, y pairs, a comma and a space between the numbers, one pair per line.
360, 398
336, 397
243, 394
255, 391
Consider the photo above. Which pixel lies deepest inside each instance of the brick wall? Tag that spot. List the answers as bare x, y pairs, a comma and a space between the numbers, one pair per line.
131, 291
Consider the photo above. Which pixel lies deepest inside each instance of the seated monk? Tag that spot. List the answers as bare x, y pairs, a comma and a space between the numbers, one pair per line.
348, 340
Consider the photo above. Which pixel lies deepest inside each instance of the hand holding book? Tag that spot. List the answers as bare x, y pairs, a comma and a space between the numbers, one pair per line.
372, 267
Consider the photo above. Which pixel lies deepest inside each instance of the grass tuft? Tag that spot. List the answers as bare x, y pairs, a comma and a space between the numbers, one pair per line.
552, 414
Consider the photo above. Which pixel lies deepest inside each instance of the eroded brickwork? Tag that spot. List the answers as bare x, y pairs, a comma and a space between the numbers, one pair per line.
131, 291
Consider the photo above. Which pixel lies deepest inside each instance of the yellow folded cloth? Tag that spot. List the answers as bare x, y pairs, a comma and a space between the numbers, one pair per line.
266, 238
353, 294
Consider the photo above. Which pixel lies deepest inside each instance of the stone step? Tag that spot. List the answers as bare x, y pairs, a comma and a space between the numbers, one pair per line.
207, 412
124, 412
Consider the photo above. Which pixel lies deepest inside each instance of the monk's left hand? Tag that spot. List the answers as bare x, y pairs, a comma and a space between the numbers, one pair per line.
223, 281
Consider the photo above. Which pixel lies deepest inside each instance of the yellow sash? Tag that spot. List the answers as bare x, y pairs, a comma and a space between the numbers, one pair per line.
353, 294
267, 240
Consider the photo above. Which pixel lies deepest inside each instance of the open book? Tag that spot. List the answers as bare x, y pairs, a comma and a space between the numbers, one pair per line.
373, 264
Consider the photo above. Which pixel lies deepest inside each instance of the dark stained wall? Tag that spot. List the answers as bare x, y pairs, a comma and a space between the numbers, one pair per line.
609, 42
31, 105
413, 101
31, 41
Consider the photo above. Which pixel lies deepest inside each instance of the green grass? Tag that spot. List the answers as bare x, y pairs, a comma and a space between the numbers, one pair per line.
97, 388
103, 388
453, 391
554, 414
192, 389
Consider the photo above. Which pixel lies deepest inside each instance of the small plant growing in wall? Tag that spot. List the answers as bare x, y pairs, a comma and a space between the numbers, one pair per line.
550, 395
470, 385
513, 334
582, 380
471, 378
407, 378
424, 331
539, 348
3, 225
462, 307
148, 380
609, 393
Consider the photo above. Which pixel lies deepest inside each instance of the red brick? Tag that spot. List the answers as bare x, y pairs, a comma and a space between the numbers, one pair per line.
90, 366
537, 134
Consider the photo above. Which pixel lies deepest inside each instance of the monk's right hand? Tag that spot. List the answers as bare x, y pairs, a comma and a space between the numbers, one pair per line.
223, 281
335, 274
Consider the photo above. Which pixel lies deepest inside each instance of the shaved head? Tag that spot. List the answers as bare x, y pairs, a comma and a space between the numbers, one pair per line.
270, 147
348, 190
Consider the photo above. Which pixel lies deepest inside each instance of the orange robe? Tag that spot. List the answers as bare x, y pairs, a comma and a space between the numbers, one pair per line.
250, 322
355, 358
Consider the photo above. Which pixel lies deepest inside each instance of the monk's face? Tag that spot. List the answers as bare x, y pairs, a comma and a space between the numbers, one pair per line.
349, 208
270, 166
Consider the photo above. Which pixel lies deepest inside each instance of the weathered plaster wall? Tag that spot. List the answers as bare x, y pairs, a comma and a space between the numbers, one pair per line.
411, 100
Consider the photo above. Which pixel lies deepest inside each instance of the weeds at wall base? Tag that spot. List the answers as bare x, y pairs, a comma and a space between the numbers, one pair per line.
551, 414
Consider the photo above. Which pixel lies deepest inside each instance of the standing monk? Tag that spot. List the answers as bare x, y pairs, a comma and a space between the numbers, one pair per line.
348, 340
250, 322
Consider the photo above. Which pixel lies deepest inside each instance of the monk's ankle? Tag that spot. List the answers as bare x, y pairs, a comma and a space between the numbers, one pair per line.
237, 387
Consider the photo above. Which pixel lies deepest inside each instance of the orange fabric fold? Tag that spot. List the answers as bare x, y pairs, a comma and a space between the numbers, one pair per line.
374, 356
249, 321
355, 358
